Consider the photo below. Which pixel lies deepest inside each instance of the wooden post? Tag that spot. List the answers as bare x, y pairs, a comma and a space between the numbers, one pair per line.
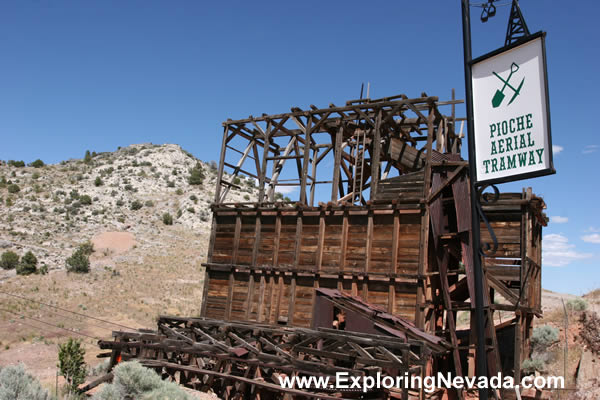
337, 153
221, 164
262, 174
305, 162
313, 175
376, 156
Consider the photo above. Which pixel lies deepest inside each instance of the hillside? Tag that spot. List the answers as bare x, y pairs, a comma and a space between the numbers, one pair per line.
140, 268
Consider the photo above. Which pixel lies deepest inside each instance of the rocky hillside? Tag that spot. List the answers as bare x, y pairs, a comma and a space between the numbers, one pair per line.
143, 264
57, 207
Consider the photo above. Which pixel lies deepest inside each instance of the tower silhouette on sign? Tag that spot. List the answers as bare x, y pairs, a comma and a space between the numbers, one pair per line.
517, 27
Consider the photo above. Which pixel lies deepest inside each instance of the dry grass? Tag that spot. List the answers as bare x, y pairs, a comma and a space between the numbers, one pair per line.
165, 278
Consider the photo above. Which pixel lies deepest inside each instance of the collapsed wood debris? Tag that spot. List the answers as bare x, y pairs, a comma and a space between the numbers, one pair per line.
389, 250
241, 359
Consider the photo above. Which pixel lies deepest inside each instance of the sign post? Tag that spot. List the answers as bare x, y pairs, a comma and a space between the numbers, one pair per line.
508, 123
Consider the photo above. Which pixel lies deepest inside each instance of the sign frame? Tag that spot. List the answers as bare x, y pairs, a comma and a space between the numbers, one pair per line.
550, 170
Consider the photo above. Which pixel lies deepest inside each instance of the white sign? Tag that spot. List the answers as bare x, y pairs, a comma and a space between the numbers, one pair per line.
510, 113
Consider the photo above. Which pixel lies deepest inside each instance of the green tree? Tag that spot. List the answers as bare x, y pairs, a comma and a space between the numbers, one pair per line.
17, 164
71, 363
9, 260
37, 164
28, 264
98, 181
88, 157
196, 175
79, 261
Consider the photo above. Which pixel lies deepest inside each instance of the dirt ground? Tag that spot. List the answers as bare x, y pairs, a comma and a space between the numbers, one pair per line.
129, 284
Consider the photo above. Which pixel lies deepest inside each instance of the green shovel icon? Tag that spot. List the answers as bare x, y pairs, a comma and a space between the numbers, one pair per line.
499, 95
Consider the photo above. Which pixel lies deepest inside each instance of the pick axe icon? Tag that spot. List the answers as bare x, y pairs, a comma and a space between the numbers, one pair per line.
499, 96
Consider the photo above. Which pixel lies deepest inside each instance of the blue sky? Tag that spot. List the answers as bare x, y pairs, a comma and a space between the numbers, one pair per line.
101, 74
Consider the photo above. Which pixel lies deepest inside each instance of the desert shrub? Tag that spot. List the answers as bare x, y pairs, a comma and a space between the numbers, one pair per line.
179, 213
577, 304
193, 198
167, 391
191, 210
132, 380
287, 199
179, 191
108, 392
236, 181
74, 194
136, 205
17, 384
99, 369
13, 188
544, 335
88, 157
170, 184
196, 175
28, 264
149, 203
119, 202
37, 163
98, 181
531, 365
9, 260
17, 164
35, 176
71, 363
246, 197
213, 166
128, 187
85, 200
79, 262
167, 219
278, 196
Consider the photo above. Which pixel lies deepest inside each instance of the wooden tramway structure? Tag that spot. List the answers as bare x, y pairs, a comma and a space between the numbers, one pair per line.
393, 229
246, 360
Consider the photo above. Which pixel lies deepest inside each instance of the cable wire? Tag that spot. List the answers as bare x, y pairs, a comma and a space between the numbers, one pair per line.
48, 323
69, 311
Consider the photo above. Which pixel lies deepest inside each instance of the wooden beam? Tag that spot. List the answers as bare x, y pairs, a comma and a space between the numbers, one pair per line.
221, 165
305, 162
376, 155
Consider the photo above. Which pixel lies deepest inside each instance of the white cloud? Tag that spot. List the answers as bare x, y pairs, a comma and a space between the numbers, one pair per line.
286, 189
592, 229
593, 238
591, 148
556, 149
559, 220
558, 252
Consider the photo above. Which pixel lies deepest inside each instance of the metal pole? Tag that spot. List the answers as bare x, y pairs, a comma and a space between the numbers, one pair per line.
481, 354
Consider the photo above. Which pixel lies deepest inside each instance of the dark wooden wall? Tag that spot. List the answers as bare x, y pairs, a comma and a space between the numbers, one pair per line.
262, 264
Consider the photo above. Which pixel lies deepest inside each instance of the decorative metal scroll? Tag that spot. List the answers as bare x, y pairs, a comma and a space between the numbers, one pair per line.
488, 249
